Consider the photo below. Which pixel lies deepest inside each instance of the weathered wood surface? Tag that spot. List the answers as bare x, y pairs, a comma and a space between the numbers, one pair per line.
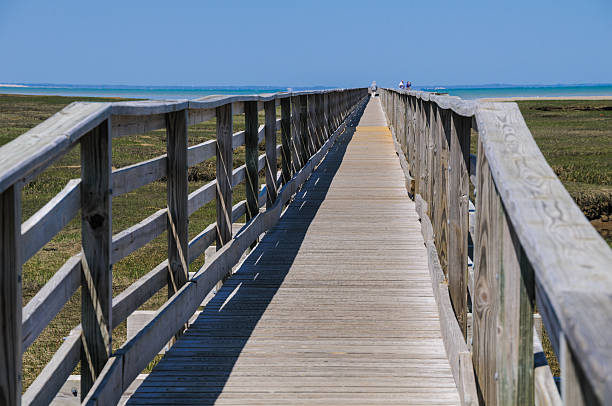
96, 236
10, 296
334, 306
571, 261
177, 195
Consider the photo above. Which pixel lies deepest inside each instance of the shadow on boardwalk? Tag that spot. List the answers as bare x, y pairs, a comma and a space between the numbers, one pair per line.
197, 368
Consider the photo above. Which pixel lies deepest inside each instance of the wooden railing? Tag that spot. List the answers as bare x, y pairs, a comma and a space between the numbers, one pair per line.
309, 122
532, 248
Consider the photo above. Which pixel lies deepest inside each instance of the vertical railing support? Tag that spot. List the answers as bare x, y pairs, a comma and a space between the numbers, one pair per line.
286, 148
296, 134
10, 296
270, 142
305, 139
177, 190
251, 154
96, 235
503, 301
224, 175
458, 208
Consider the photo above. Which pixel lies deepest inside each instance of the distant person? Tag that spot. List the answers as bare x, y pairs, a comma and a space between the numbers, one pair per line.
408, 85
401, 84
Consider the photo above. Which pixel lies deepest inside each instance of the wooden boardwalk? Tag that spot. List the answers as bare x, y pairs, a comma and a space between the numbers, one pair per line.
334, 306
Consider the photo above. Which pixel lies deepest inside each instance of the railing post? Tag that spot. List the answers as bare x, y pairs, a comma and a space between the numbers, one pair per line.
296, 137
270, 142
325, 116
286, 148
503, 301
441, 140
458, 210
305, 139
177, 190
96, 235
10, 296
251, 155
312, 125
224, 175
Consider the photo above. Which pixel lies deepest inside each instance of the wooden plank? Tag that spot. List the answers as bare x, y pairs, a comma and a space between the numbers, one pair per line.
575, 386
124, 125
270, 143
201, 152
178, 217
50, 299
50, 219
458, 133
286, 151
307, 149
515, 321
199, 197
134, 176
296, 137
251, 154
96, 235
487, 261
10, 298
129, 240
224, 173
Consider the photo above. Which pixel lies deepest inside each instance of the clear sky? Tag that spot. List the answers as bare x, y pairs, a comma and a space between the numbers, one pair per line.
305, 43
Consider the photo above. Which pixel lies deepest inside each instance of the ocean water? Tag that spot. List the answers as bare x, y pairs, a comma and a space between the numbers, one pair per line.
193, 92
137, 92
471, 93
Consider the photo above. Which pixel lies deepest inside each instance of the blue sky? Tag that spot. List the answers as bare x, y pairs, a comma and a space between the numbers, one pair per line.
305, 43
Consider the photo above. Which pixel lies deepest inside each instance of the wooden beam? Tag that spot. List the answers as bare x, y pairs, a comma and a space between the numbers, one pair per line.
251, 155
270, 142
296, 137
458, 132
10, 296
96, 235
178, 218
305, 139
286, 139
224, 176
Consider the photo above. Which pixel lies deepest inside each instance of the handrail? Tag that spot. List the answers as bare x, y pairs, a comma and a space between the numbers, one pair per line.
304, 130
531, 243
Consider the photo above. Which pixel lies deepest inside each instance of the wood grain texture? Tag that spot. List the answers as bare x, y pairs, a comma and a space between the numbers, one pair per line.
270, 143
49, 300
96, 236
50, 219
10, 296
251, 158
224, 173
286, 137
570, 260
458, 196
177, 195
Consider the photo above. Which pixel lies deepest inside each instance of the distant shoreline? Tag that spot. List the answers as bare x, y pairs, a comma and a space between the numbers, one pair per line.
8, 85
535, 98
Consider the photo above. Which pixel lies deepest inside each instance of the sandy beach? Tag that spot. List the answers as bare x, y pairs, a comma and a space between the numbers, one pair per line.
506, 99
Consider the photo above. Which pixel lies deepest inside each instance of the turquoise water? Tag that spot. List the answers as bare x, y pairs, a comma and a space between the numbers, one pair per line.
526, 91
139, 92
193, 92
